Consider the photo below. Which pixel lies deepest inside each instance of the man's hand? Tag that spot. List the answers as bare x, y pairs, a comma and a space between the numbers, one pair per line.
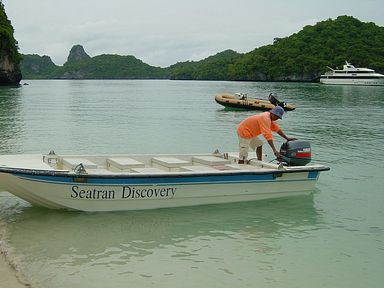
291, 139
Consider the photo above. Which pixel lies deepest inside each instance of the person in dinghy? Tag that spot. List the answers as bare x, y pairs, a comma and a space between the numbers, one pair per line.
260, 124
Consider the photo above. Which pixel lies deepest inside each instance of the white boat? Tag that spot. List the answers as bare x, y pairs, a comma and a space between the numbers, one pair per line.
350, 75
134, 182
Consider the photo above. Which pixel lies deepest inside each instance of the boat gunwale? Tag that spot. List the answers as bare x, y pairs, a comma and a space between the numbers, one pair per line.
187, 174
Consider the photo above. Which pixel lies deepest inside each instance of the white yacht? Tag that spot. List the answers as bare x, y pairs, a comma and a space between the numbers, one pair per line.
350, 75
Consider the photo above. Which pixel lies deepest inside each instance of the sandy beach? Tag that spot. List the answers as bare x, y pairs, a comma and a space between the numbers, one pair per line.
8, 275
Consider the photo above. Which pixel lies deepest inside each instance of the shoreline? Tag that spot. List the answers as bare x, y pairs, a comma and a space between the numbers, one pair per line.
9, 275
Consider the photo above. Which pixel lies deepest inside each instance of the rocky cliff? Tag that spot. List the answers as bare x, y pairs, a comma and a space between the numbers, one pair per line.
9, 56
77, 53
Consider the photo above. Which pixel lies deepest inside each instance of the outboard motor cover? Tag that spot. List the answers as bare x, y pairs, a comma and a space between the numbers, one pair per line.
296, 153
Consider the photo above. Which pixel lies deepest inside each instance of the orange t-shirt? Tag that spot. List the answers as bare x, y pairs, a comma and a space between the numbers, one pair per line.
257, 124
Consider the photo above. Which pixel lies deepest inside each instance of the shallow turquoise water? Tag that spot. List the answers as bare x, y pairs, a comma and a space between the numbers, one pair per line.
332, 238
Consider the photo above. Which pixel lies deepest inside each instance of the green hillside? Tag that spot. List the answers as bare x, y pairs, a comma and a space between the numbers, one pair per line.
302, 56
109, 67
9, 55
98, 67
37, 67
7, 41
212, 68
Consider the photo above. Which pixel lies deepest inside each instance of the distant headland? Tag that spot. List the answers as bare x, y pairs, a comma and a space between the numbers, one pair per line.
301, 57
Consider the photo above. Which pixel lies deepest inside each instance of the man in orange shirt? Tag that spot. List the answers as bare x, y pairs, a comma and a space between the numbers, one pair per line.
250, 128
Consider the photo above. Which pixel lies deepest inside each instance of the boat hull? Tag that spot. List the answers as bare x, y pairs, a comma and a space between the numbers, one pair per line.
161, 180
110, 194
351, 81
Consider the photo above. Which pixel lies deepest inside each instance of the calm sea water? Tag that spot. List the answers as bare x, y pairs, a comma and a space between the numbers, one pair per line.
332, 238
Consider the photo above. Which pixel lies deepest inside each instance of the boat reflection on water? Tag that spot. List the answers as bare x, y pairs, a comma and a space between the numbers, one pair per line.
139, 233
52, 248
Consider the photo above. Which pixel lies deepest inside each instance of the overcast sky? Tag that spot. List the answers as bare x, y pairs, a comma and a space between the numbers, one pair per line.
163, 32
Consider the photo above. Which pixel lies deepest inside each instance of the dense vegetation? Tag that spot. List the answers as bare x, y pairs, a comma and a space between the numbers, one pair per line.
109, 67
98, 67
215, 67
9, 56
302, 56
8, 44
37, 67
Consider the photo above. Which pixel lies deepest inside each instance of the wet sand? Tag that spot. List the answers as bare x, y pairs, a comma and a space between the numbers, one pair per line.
8, 275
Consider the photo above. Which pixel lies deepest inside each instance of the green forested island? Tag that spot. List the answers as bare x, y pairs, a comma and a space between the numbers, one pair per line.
302, 56
81, 66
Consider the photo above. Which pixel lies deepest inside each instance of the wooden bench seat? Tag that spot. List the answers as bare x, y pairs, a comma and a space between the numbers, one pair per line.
71, 163
210, 160
150, 170
197, 168
170, 163
121, 164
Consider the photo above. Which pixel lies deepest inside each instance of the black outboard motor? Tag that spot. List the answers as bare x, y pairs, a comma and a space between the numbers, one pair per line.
272, 98
296, 152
